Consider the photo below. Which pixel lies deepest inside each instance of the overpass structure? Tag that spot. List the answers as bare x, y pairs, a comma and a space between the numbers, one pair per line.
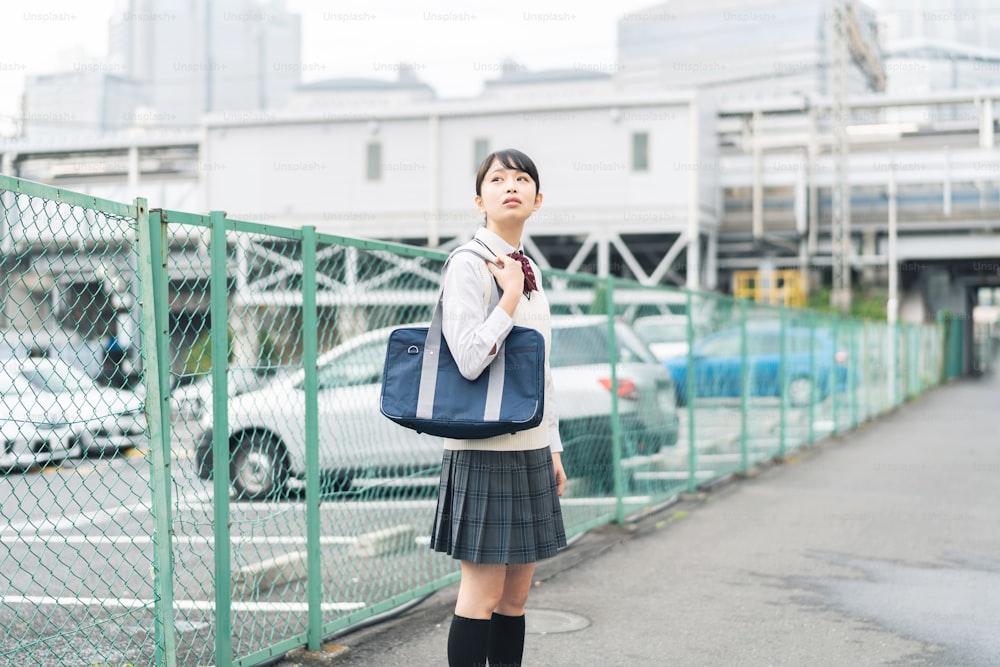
924, 193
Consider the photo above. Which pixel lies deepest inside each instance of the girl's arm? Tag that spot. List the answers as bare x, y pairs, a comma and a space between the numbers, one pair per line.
473, 337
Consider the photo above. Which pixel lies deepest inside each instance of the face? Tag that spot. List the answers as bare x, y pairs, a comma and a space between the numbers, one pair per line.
507, 194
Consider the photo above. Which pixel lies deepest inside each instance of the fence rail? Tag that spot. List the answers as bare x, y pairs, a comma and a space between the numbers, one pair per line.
194, 468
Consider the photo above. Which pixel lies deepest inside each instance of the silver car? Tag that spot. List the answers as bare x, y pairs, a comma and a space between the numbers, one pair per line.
359, 446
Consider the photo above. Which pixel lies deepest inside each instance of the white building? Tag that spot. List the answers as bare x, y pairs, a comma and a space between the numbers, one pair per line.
612, 167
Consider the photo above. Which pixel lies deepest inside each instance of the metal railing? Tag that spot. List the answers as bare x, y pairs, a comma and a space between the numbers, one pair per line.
240, 494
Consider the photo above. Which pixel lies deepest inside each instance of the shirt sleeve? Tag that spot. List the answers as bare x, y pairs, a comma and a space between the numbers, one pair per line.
473, 337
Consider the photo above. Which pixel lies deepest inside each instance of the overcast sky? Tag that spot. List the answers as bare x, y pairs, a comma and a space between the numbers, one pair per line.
441, 38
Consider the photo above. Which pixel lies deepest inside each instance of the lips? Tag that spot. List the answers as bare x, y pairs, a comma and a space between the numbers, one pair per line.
511, 200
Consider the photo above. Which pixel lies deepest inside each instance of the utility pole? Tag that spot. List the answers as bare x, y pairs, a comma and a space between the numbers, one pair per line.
840, 231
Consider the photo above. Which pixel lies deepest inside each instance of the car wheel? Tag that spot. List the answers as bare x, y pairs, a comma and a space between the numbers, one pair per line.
258, 469
799, 391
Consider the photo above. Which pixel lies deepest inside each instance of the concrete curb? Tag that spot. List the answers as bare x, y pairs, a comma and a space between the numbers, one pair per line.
262, 576
329, 654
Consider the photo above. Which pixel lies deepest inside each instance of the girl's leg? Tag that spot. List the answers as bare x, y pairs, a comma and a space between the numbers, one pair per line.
468, 640
516, 586
506, 640
481, 589
479, 592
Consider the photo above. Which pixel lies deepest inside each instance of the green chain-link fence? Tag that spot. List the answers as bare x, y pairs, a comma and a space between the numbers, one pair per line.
75, 564
247, 497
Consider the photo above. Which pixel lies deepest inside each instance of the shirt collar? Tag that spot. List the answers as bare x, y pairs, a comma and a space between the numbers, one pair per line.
494, 241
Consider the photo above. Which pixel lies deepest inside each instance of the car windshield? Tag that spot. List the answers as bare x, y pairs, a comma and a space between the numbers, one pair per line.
57, 379
362, 365
661, 332
586, 345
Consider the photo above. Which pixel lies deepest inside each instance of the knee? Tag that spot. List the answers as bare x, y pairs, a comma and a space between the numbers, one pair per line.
512, 603
514, 599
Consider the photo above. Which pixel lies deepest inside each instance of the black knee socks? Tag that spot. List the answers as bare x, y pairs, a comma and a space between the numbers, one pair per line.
471, 640
506, 641
467, 641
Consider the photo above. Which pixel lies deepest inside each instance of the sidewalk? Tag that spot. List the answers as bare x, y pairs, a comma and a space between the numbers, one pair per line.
876, 547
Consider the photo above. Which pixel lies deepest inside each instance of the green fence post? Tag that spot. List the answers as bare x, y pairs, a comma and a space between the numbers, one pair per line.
310, 352
865, 372
899, 387
616, 428
745, 381
852, 372
812, 375
832, 380
690, 392
151, 236
782, 382
219, 309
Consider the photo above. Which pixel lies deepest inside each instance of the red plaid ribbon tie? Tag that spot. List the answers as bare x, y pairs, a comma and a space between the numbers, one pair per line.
529, 275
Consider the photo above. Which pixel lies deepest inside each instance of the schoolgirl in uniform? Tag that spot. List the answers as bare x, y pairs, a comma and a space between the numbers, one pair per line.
498, 506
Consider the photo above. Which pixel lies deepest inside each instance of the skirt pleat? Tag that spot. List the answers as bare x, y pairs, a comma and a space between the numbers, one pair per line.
498, 507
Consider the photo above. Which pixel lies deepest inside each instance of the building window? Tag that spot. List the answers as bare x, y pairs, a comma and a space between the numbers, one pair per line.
640, 151
480, 150
374, 161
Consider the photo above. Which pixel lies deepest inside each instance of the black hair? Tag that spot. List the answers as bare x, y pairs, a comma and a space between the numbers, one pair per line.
512, 159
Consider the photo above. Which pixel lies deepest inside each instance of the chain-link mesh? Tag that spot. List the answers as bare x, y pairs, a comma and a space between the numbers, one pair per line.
293, 509
75, 584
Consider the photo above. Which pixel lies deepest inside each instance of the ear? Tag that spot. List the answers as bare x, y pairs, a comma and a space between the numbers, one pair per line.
479, 204
538, 202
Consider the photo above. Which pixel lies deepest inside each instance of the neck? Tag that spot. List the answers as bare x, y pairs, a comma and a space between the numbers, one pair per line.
509, 232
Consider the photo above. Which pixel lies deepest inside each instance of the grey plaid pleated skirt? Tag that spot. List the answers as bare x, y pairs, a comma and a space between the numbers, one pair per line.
498, 507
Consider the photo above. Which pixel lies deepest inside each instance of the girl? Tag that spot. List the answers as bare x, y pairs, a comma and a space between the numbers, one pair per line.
498, 508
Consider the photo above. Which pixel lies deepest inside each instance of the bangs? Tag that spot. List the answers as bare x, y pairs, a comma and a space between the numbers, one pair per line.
515, 159
511, 158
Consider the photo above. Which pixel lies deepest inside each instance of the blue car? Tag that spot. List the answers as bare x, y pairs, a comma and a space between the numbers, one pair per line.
810, 362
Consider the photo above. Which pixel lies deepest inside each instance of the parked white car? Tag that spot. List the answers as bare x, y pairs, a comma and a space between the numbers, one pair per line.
357, 443
31, 430
95, 419
193, 399
666, 335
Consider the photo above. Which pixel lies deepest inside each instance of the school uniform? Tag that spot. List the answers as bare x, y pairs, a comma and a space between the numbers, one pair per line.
497, 500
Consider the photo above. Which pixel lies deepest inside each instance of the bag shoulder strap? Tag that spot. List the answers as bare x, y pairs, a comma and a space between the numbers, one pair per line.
491, 290
433, 341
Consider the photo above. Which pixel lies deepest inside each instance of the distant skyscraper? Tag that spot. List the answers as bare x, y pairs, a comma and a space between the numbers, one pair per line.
200, 56
168, 63
933, 45
739, 47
